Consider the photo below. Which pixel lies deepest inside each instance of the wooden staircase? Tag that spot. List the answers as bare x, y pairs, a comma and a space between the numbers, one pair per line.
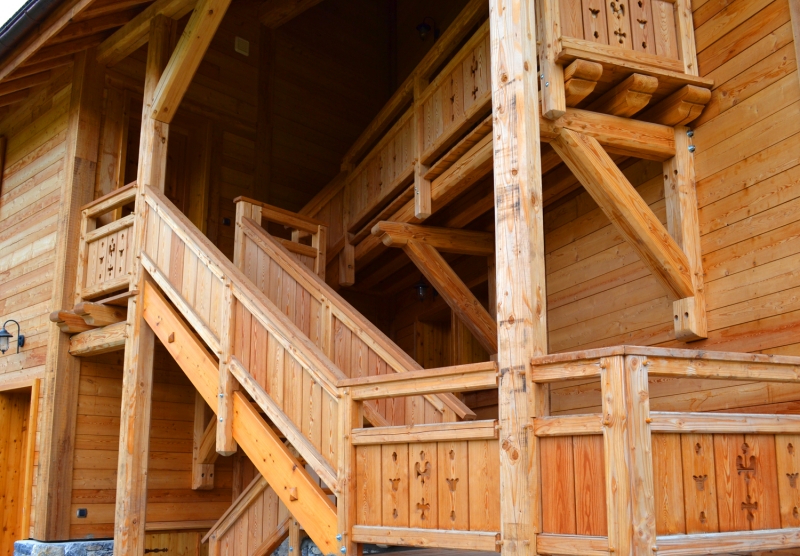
300, 363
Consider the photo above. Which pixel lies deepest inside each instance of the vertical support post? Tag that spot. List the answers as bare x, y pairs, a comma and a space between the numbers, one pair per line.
683, 224
295, 539
551, 74
226, 445
137, 381
351, 416
628, 455
244, 210
134, 434
686, 40
319, 241
30, 454
266, 80
202, 473
520, 278
422, 186
62, 371
347, 256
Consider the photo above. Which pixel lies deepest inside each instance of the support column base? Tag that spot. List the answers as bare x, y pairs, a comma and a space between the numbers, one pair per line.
68, 548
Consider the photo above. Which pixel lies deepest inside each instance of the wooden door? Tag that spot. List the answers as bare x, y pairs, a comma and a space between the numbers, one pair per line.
176, 543
15, 435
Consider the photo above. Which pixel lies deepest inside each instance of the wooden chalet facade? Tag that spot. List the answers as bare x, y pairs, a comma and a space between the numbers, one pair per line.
516, 276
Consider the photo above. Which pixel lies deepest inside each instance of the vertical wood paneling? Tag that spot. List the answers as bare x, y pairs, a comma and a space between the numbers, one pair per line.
668, 482
394, 485
558, 485
699, 483
590, 488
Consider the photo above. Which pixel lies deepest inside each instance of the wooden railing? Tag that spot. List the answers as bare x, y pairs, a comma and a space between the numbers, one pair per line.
429, 485
683, 481
104, 259
348, 339
311, 254
255, 525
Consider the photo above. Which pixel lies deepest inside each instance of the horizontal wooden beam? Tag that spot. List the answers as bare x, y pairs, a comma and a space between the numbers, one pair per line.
720, 369
626, 209
724, 423
15, 85
458, 378
274, 13
455, 293
567, 370
134, 34
99, 340
568, 425
198, 34
448, 240
572, 545
70, 323
99, 314
437, 432
427, 538
726, 543
617, 135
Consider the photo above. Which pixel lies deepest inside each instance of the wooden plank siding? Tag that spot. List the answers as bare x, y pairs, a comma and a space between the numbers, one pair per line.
170, 497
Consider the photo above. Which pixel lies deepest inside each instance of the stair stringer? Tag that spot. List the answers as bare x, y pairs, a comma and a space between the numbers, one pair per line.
298, 491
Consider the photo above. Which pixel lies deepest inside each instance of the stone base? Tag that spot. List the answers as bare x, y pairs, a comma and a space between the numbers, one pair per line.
70, 548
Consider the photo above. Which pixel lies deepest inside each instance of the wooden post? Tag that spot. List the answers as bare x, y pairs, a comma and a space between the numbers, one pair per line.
520, 277
628, 456
422, 186
62, 371
137, 381
226, 445
551, 74
202, 473
686, 40
683, 224
351, 416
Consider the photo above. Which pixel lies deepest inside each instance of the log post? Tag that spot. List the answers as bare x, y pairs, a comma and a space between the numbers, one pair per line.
137, 381
62, 371
520, 276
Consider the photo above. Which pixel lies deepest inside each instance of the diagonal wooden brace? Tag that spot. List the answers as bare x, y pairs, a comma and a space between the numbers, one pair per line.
626, 209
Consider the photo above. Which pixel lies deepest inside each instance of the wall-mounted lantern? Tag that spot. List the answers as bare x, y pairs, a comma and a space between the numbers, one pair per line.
425, 28
5, 336
421, 288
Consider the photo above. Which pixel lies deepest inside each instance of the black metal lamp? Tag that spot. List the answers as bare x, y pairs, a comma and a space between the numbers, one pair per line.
424, 28
422, 289
5, 336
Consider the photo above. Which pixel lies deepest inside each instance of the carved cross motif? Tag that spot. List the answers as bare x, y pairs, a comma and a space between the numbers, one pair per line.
621, 35
792, 479
395, 484
751, 507
112, 246
425, 473
423, 507
700, 481
452, 483
745, 464
475, 92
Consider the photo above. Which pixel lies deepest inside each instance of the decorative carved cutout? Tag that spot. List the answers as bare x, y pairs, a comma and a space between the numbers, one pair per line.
424, 474
700, 481
790, 447
620, 35
395, 483
703, 517
792, 479
751, 506
394, 457
795, 513
698, 449
745, 464
424, 508
452, 483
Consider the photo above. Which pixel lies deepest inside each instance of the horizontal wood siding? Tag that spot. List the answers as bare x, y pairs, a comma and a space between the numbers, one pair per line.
170, 494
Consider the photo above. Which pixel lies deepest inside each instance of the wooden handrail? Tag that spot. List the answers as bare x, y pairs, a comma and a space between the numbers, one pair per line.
110, 201
283, 216
458, 378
